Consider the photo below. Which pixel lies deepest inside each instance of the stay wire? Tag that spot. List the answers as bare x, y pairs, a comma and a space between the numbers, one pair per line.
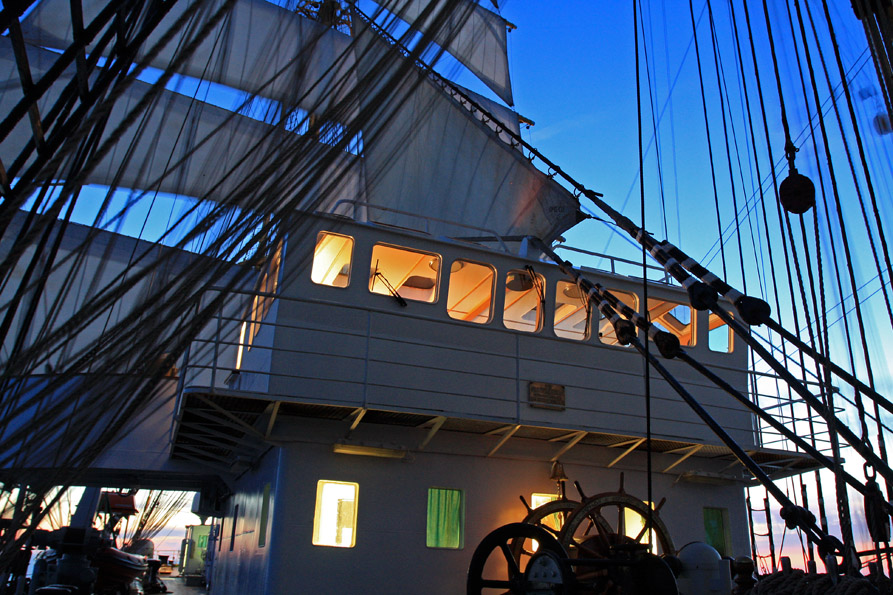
645, 347
865, 171
655, 128
845, 241
720, 82
767, 137
822, 344
880, 434
694, 28
824, 338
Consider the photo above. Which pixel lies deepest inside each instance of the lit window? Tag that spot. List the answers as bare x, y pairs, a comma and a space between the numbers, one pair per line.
264, 517
634, 527
446, 518
555, 520
716, 530
525, 295
674, 318
331, 259
335, 520
606, 332
470, 295
408, 273
537, 500
719, 335
261, 303
572, 312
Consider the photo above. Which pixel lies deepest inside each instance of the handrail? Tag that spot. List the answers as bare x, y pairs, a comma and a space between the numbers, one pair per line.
666, 279
424, 218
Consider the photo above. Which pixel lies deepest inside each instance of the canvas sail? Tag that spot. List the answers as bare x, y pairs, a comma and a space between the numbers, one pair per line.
309, 65
184, 146
475, 36
427, 154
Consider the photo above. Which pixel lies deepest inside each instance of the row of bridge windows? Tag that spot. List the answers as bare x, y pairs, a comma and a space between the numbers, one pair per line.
411, 274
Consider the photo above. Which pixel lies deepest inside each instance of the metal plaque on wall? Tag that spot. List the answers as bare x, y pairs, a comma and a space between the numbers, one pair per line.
545, 396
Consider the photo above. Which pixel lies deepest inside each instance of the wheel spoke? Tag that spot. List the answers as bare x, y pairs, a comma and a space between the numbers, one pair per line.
514, 569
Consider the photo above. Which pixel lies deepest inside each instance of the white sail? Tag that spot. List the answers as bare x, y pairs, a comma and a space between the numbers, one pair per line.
503, 115
475, 36
182, 145
426, 153
310, 65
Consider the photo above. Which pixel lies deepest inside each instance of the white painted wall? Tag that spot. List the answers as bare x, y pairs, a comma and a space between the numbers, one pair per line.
390, 555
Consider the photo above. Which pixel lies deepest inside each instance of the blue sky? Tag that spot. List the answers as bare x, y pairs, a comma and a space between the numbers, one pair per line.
573, 74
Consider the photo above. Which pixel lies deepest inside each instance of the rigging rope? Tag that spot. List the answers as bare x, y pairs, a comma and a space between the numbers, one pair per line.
694, 29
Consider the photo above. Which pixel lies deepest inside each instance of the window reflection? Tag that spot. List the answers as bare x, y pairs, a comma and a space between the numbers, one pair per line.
525, 296
470, 295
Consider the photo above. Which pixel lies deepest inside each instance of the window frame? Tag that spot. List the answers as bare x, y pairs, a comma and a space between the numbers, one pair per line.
490, 307
350, 259
459, 522
318, 509
584, 304
398, 285
538, 285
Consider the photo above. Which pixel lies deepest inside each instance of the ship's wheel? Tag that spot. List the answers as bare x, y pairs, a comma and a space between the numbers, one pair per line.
611, 520
497, 567
551, 516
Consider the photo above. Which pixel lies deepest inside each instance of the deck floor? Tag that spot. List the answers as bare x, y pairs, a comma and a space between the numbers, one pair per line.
177, 586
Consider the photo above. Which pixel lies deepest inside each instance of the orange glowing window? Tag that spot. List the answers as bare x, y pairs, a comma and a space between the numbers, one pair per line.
525, 297
411, 274
606, 332
470, 295
572, 312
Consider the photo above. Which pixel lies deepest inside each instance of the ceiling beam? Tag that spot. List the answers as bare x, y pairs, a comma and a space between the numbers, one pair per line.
633, 445
576, 437
691, 451
436, 424
504, 439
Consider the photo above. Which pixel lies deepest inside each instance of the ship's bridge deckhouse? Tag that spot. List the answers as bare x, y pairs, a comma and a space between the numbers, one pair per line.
369, 323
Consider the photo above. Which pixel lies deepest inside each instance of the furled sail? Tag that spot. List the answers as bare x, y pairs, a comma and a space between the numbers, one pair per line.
310, 66
182, 145
475, 36
427, 154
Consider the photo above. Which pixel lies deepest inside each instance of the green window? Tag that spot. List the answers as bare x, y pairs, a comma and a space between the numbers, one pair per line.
716, 530
446, 518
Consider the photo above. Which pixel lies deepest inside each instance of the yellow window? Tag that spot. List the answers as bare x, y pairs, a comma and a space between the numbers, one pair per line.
605, 329
525, 296
555, 520
537, 500
674, 318
335, 520
634, 527
260, 306
719, 335
470, 295
331, 259
411, 274
572, 312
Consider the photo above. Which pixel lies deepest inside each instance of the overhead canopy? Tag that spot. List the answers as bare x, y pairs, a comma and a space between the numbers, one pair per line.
182, 145
475, 36
259, 47
427, 154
